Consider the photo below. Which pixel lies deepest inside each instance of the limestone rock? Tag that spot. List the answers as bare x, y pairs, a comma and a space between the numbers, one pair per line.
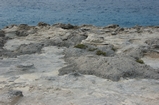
113, 68
11, 34
21, 33
2, 33
113, 33
25, 66
2, 42
11, 97
23, 27
43, 24
15, 93
45, 63
30, 48
112, 26
67, 26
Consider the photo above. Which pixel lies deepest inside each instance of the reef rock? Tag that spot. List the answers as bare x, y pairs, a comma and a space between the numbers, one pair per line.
63, 64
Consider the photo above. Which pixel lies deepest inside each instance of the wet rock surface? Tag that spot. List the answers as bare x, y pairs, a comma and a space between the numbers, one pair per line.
64, 64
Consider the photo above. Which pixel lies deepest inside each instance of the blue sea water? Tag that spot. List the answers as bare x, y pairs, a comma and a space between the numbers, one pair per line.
126, 13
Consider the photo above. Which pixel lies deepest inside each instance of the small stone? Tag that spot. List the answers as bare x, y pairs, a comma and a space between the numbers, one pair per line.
15, 93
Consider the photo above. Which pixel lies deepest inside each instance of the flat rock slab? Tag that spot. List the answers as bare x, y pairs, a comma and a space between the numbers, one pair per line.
89, 90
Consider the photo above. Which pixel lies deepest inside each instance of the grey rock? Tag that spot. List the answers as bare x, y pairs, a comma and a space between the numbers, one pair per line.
84, 29
11, 34
23, 27
10, 26
138, 29
136, 53
113, 33
67, 26
12, 79
67, 40
25, 66
6, 53
107, 49
118, 29
75, 74
152, 41
138, 82
155, 46
112, 26
74, 39
50, 78
25, 30
43, 24
2, 33
56, 41
68, 69
30, 48
11, 97
21, 33
112, 68
15, 93
2, 42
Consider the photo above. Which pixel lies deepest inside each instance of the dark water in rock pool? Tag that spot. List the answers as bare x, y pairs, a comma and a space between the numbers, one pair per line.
126, 13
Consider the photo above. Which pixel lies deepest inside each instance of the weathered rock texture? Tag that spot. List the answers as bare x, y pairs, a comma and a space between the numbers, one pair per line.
65, 64
119, 56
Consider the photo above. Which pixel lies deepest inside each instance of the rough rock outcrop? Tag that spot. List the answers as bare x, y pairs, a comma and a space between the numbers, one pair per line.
66, 26
65, 64
43, 24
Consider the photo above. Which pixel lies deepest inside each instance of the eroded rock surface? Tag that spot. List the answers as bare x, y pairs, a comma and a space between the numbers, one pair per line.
64, 64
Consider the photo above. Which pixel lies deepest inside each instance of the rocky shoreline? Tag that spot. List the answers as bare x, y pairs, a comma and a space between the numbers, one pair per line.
83, 56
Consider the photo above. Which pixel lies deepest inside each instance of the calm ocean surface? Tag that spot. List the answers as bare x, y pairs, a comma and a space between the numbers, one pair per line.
126, 13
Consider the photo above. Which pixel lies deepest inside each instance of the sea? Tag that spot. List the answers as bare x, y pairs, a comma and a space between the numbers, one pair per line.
126, 13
